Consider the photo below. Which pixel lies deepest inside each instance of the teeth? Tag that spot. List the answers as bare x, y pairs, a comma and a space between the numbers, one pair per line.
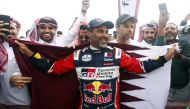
46, 34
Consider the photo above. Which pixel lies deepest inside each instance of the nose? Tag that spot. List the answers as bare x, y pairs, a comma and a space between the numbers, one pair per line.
105, 36
83, 39
46, 29
130, 30
169, 29
150, 34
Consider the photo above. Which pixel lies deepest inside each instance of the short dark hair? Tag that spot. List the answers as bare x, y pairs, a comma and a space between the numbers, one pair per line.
125, 17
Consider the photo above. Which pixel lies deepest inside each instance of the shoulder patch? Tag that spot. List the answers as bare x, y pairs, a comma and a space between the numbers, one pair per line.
155, 58
37, 56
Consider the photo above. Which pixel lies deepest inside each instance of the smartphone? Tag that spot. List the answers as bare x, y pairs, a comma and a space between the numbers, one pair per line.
163, 8
6, 19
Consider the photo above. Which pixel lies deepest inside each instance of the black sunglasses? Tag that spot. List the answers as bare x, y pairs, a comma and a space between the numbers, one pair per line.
83, 27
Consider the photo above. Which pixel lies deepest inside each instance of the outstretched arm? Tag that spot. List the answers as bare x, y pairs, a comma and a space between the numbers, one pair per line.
132, 64
24, 49
58, 67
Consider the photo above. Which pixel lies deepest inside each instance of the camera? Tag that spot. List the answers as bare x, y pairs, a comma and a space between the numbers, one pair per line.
184, 34
6, 19
186, 29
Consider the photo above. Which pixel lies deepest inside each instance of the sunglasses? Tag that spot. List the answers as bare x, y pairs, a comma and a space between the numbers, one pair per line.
151, 25
83, 27
86, 37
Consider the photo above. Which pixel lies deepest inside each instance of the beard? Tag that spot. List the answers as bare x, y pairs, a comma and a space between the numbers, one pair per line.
103, 45
149, 40
126, 37
47, 38
170, 36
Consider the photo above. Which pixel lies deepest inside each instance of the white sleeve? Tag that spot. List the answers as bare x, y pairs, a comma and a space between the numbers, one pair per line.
72, 34
17, 70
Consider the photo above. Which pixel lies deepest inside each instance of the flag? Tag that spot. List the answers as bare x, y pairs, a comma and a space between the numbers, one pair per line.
58, 92
49, 91
108, 54
146, 91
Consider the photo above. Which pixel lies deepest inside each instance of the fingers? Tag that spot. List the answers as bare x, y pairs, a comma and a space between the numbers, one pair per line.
22, 81
21, 85
3, 24
2, 35
85, 2
174, 45
25, 79
72, 46
170, 53
21, 45
24, 49
18, 43
85, 5
3, 30
19, 81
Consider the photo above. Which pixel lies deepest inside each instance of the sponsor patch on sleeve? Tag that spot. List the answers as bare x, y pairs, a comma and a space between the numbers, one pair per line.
37, 56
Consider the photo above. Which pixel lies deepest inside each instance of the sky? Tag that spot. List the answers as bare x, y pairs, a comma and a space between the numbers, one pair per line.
64, 11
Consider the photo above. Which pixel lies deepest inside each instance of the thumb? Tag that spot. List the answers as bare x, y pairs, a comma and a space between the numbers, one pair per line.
18, 43
174, 45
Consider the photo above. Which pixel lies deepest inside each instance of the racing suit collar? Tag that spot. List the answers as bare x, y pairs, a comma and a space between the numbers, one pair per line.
93, 48
97, 50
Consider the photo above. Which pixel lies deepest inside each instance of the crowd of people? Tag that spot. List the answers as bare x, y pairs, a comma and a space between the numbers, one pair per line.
95, 65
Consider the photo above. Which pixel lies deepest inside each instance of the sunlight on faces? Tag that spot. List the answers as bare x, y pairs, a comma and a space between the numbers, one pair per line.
171, 31
47, 32
149, 34
125, 30
99, 37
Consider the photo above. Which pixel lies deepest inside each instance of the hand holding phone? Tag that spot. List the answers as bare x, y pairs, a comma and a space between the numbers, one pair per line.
163, 8
6, 19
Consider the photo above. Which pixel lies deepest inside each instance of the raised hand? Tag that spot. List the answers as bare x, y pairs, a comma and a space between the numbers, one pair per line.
85, 5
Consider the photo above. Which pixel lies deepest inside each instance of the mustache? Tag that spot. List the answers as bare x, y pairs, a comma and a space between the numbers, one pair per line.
46, 33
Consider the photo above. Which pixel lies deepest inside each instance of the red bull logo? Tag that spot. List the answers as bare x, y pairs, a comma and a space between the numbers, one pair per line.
98, 99
105, 87
89, 87
97, 87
